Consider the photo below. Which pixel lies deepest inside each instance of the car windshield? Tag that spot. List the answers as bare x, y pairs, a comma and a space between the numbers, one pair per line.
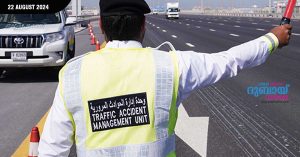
173, 10
15, 20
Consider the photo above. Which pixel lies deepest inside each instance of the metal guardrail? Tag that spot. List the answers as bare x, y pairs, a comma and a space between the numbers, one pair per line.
83, 21
239, 14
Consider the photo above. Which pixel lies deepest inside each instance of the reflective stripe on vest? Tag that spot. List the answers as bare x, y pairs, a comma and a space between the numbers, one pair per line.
162, 144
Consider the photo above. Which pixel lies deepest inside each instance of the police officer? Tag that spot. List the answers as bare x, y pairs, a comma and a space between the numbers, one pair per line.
123, 99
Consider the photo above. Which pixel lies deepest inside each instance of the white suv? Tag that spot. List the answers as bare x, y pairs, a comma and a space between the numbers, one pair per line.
36, 40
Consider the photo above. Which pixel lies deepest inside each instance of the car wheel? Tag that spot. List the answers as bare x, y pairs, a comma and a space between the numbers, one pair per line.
1, 72
72, 53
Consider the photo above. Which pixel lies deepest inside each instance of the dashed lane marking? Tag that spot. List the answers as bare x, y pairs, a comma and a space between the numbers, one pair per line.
254, 23
187, 24
275, 25
198, 27
297, 34
200, 21
180, 23
237, 26
208, 22
190, 45
235, 35
260, 29
212, 30
221, 24
164, 30
158, 27
174, 36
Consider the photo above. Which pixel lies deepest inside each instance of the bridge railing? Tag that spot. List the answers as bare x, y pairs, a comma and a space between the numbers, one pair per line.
262, 15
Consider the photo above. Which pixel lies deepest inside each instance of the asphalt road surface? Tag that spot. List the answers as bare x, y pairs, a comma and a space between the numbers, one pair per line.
239, 124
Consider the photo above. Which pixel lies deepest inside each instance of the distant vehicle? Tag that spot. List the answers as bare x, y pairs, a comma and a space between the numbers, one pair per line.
155, 11
36, 40
172, 10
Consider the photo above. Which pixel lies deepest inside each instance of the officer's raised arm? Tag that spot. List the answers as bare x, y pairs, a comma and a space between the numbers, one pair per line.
201, 69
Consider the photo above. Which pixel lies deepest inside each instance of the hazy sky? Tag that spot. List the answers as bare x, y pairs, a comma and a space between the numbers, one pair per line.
188, 4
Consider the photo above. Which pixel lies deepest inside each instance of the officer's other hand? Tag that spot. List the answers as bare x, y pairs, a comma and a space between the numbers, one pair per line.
283, 33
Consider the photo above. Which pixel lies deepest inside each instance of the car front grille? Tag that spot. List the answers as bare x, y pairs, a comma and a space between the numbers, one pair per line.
29, 41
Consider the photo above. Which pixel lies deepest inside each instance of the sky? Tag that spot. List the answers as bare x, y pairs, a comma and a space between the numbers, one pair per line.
189, 4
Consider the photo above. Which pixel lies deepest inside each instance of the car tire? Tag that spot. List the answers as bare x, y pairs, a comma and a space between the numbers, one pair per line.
1, 72
72, 52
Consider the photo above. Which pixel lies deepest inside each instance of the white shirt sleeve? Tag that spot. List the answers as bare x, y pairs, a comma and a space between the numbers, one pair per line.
198, 70
58, 133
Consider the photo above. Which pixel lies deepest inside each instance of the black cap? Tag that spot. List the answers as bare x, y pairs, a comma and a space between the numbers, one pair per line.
123, 7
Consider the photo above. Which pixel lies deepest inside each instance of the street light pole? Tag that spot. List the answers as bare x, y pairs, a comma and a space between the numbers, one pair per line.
76, 10
270, 6
202, 6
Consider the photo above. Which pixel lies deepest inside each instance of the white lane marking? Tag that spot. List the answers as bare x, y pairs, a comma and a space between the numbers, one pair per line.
198, 27
254, 23
297, 34
158, 27
275, 25
237, 26
221, 24
208, 22
225, 20
174, 36
200, 21
235, 35
267, 21
197, 136
193, 20
187, 24
153, 25
260, 29
238, 21
190, 45
164, 30
180, 23
212, 30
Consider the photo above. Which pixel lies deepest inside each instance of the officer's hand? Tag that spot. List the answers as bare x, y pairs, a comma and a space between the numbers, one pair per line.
283, 34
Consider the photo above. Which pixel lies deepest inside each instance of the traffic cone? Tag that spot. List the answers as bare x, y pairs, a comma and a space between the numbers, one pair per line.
34, 142
91, 35
98, 45
93, 40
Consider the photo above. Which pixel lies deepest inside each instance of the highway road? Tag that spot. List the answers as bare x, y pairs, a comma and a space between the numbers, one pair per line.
239, 124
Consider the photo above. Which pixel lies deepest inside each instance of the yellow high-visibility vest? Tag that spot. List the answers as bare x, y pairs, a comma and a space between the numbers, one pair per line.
122, 102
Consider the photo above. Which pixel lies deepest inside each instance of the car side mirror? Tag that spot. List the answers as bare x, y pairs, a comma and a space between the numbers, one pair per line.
71, 21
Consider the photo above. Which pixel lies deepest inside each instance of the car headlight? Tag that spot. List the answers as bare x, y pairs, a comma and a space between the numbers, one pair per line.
54, 37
